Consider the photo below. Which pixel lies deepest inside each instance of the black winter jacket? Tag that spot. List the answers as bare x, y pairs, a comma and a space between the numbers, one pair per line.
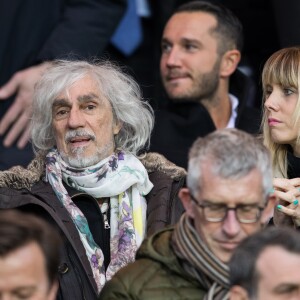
178, 125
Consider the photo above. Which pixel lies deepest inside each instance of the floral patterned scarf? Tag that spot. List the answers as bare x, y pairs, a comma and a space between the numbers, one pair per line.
124, 180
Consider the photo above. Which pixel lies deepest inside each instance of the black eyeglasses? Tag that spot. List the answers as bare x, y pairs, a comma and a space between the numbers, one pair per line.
217, 212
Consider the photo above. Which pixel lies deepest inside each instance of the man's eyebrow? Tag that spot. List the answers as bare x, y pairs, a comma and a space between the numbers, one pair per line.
183, 40
286, 288
190, 40
26, 289
165, 40
88, 97
60, 102
81, 99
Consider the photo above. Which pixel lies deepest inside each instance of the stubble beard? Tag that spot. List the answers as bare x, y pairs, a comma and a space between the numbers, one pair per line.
203, 88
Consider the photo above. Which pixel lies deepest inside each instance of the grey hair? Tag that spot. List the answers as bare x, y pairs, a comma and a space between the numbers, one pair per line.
232, 154
123, 93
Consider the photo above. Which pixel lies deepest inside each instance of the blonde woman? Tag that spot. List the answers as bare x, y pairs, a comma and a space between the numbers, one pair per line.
281, 130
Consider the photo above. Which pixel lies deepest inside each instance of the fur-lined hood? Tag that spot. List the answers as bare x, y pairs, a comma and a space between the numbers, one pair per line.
19, 177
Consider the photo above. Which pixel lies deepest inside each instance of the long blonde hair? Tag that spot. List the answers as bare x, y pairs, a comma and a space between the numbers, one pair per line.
282, 68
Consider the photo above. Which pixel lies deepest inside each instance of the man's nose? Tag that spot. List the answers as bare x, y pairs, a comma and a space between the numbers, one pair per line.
173, 57
231, 225
76, 118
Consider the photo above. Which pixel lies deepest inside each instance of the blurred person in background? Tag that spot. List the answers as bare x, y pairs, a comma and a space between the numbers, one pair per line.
29, 257
32, 33
201, 49
281, 124
265, 266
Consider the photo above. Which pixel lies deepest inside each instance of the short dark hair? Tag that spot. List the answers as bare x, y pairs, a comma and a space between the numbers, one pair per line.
229, 29
18, 229
243, 261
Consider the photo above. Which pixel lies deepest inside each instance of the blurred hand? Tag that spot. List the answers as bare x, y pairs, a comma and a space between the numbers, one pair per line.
288, 210
18, 115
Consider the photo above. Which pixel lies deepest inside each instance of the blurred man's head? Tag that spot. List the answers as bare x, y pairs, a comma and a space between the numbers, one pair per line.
228, 189
29, 257
266, 266
201, 44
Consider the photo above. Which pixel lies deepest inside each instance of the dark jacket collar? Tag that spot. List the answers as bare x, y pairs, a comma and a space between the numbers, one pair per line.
293, 165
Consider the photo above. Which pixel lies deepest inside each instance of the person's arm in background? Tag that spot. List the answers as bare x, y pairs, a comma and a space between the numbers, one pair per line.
84, 31
18, 115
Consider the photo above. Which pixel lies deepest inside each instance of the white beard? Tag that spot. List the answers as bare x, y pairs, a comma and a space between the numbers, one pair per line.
78, 160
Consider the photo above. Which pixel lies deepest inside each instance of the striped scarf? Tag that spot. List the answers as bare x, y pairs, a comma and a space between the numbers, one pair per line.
199, 261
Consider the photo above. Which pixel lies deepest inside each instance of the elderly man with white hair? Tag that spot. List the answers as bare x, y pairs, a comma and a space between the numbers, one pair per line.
88, 125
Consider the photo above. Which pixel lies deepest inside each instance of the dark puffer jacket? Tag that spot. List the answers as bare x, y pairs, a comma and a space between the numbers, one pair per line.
24, 189
155, 275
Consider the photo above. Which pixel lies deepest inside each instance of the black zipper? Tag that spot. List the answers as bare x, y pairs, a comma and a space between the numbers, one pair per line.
106, 229
103, 215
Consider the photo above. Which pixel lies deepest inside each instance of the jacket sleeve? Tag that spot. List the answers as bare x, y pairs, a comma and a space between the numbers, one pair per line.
130, 282
84, 30
115, 289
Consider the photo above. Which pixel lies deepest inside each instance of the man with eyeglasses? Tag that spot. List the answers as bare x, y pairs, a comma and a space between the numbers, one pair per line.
228, 197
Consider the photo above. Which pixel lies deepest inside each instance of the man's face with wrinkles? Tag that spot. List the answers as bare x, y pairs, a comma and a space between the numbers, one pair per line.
83, 124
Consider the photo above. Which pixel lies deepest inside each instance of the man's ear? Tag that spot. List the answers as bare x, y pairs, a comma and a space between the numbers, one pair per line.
185, 197
117, 127
268, 211
229, 63
238, 293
